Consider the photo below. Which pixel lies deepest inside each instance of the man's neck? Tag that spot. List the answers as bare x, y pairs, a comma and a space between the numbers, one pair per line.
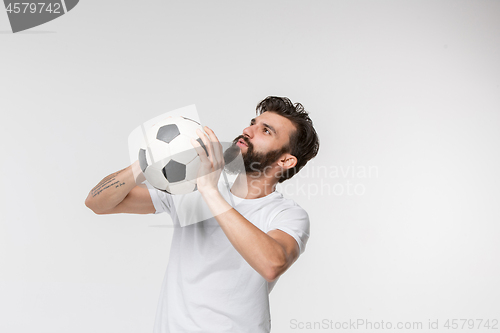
246, 187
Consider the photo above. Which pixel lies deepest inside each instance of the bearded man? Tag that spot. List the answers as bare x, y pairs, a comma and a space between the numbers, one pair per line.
222, 269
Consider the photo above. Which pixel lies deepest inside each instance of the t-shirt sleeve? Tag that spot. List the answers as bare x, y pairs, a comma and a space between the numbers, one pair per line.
295, 222
161, 200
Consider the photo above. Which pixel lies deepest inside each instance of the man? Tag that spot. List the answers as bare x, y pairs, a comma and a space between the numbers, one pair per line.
222, 269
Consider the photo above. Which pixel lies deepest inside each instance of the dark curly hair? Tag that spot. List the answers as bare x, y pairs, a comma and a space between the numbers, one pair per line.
304, 142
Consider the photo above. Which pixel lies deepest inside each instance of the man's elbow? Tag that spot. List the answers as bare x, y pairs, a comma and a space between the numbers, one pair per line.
280, 266
88, 203
91, 205
274, 272
271, 277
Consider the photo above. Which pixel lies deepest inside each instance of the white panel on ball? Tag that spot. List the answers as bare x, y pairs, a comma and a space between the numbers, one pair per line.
189, 126
181, 188
192, 170
157, 151
155, 176
181, 149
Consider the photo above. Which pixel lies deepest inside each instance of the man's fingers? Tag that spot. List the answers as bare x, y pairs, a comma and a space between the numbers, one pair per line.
213, 148
199, 149
208, 145
217, 146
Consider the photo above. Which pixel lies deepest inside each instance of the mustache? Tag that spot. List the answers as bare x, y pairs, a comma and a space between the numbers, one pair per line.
244, 138
234, 151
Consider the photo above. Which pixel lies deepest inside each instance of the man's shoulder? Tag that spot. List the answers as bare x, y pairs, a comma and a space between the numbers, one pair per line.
282, 204
287, 202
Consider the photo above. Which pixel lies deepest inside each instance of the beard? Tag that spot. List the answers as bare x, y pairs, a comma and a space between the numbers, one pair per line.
253, 163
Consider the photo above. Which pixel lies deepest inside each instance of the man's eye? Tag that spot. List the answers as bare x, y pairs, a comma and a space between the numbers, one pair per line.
266, 130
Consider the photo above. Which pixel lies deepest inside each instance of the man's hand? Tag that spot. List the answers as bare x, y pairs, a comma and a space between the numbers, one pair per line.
212, 165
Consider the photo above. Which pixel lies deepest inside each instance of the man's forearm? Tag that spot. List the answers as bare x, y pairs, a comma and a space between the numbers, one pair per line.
260, 250
113, 189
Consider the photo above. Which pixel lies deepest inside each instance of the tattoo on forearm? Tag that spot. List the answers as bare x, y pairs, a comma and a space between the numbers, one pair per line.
107, 182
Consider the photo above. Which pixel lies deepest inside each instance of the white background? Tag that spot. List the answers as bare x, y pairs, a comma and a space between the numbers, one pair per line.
407, 89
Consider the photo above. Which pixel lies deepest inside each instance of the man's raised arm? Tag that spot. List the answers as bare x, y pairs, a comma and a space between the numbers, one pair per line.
119, 193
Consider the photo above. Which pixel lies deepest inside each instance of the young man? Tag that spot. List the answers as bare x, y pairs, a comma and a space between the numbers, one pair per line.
222, 269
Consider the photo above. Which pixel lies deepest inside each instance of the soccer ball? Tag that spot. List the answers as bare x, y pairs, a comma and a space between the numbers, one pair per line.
168, 159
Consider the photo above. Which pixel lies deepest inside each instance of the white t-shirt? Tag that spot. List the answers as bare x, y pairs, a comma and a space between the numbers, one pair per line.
208, 286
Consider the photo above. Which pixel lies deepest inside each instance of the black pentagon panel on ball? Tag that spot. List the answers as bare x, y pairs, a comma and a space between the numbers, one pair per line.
174, 171
142, 160
167, 133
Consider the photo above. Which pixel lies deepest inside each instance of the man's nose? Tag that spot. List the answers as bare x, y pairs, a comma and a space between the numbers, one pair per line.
248, 132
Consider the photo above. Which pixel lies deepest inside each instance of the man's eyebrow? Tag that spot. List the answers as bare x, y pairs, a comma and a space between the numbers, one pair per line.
266, 125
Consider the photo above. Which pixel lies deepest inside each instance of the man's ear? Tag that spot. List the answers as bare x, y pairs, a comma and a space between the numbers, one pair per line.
287, 161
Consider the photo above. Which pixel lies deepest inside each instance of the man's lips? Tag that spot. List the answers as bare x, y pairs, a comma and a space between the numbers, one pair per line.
241, 142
